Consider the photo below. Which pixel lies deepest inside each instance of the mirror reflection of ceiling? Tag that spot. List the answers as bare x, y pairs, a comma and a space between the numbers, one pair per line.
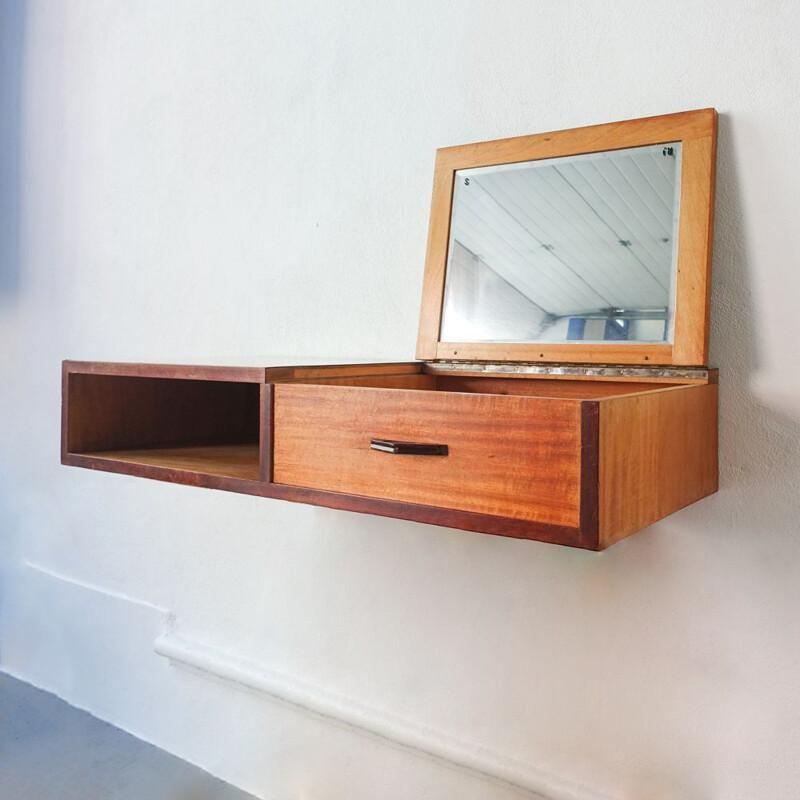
574, 248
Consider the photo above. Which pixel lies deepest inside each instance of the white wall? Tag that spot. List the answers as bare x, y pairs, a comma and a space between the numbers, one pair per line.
212, 179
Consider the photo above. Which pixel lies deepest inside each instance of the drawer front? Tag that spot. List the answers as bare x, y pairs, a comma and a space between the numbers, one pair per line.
517, 457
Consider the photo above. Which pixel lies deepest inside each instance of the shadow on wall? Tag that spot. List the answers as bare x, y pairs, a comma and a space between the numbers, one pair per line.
758, 444
12, 23
9, 539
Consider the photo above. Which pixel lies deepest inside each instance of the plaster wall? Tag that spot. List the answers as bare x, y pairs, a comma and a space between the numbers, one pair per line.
194, 180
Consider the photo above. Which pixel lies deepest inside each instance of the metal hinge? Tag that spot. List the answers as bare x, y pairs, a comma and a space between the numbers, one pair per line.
569, 370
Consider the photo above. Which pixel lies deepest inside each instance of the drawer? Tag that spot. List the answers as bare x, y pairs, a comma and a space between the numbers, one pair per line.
508, 456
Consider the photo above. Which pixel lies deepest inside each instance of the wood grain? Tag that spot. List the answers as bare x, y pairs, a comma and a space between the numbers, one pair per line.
449, 518
227, 460
543, 352
113, 412
590, 472
275, 374
65, 404
410, 381
695, 246
266, 397
697, 132
430, 313
681, 126
584, 465
534, 530
537, 387
182, 371
517, 457
658, 453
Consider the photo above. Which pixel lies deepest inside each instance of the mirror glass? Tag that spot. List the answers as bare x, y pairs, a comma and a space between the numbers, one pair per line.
574, 248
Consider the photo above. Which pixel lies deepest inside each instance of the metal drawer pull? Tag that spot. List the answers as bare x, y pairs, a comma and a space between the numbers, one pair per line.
408, 448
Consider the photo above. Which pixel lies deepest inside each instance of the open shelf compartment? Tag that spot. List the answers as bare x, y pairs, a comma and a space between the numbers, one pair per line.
209, 427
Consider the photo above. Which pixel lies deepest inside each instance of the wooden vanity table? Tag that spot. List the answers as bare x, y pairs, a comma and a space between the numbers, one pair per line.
560, 392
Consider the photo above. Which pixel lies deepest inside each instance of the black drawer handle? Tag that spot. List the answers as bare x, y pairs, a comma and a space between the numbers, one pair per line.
408, 448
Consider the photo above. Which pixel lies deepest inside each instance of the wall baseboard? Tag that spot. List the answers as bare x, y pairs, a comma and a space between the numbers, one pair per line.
140, 617
343, 710
87, 644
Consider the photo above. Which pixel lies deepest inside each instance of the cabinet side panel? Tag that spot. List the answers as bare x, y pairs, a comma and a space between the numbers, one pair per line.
658, 453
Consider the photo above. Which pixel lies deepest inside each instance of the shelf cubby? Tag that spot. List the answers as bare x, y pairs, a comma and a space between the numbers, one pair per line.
206, 426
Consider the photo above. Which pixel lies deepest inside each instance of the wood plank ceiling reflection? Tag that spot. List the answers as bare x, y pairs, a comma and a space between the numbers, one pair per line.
575, 235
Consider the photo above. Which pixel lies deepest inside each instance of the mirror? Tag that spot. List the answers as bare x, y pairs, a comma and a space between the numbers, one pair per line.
580, 248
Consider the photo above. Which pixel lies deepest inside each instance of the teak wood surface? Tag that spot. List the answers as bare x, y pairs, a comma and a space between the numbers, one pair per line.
581, 390
116, 412
658, 453
578, 463
225, 460
509, 456
697, 131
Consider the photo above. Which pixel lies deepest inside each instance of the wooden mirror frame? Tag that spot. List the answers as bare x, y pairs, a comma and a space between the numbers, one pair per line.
697, 132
